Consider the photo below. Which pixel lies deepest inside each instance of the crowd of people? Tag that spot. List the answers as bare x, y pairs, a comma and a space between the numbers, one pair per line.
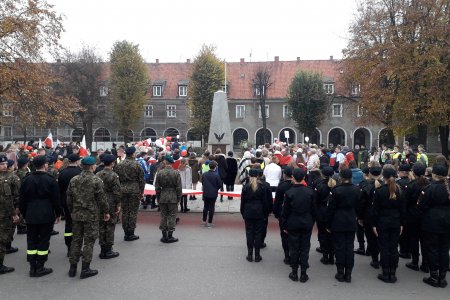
387, 197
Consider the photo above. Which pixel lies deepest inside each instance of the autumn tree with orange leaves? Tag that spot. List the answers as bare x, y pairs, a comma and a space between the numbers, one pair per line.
399, 54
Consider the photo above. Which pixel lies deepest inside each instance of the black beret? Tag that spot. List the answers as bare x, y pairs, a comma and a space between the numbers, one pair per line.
375, 171
23, 160
365, 170
288, 171
440, 170
327, 171
39, 161
404, 167
346, 174
108, 158
73, 157
3, 159
389, 173
298, 174
130, 150
101, 156
419, 169
253, 173
51, 160
10, 163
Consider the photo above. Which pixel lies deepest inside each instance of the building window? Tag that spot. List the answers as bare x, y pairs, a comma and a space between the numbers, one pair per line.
286, 112
148, 111
359, 111
240, 111
182, 90
6, 131
157, 90
337, 110
329, 88
171, 111
103, 91
356, 89
260, 90
267, 111
7, 110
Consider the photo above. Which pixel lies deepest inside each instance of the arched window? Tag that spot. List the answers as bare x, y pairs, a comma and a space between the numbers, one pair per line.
148, 133
336, 136
102, 135
171, 132
283, 137
262, 138
129, 134
239, 135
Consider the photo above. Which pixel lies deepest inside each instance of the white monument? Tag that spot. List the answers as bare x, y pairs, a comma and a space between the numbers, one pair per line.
220, 129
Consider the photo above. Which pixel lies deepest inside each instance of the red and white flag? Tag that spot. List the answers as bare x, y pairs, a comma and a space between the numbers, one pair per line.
83, 150
49, 141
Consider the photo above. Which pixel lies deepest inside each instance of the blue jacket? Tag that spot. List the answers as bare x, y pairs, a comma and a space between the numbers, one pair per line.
211, 184
357, 176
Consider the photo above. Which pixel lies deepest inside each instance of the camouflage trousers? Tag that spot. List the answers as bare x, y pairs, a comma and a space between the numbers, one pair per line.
130, 208
12, 230
168, 216
106, 231
84, 236
5, 225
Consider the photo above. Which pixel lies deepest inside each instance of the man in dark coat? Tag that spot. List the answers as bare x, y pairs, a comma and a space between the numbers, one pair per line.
222, 167
283, 187
232, 169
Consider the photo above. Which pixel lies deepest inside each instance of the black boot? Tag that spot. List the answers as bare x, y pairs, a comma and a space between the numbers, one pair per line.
41, 270
164, 236
361, 250
5, 269
303, 276
108, 253
131, 236
185, 205
424, 267
340, 274
331, 259
73, 270
348, 275
375, 263
86, 271
102, 252
392, 275
10, 249
170, 238
258, 257
433, 280
287, 259
385, 276
294, 274
414, 264
442, 281
324, 259
32, 269
249, 257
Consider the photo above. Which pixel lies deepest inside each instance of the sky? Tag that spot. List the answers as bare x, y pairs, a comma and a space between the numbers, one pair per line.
175, 30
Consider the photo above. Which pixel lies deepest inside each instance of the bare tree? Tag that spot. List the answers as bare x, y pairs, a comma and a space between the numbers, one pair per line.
261, 83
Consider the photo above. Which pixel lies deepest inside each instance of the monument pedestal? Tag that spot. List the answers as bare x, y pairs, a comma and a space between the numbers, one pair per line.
220, 129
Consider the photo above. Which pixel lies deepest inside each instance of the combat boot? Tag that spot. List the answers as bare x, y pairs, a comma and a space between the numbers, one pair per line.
164, 237
249, 257
131, 236
324, 258
433, 280
170, 238
303, 276
442, 281
361, 250
375, 263
385, 276
86, 271
32, 269
424, 267
414, 264
348, 275
73, 270
331, 259
340, 274
392, 276
108, 253
294, 274
5, 269
10, 249
41, 270
102, 252
258, 257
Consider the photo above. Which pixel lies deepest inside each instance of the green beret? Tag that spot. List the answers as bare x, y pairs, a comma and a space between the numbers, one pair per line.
88, 161
169, 159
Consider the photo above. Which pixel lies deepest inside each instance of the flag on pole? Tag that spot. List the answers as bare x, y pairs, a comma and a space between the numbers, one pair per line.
83, 150
40, 144
49, 140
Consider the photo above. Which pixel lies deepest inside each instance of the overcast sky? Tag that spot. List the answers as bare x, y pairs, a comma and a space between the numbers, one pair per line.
174, 30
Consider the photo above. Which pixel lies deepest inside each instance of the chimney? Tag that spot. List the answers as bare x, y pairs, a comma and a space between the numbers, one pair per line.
277, 58
331, 57
188, 61
157, 60
298, 58
242, 60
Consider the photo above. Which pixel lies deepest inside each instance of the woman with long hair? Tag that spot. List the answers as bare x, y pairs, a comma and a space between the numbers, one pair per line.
389, 205
186, 182
435, 207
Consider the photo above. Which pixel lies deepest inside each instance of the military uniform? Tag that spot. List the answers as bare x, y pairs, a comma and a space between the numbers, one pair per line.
112, 189
132, 184
86, 201
169, 191
16, 183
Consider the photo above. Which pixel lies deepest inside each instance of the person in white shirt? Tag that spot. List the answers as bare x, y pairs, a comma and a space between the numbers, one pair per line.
340, 157
313, 159
272, 172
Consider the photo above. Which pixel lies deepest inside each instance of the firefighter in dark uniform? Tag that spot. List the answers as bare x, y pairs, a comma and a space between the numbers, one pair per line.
298, 217
404, 172
435, 207
40, 205
284, 185
414, 233
341, 217
64, 177
390, 211
323, 189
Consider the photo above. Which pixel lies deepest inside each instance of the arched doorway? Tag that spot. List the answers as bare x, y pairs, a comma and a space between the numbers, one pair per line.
292, 136
193, 136
314, 138
386, 136
148, 133
262, 138
77, 134
172, 132
239, 135
102, 135
336, 136
362, 136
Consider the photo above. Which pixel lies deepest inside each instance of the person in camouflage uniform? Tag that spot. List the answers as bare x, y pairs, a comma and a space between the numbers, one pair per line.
9, 194
10, 249
169, 191
111, 186
132, 183
86, 200
21, 172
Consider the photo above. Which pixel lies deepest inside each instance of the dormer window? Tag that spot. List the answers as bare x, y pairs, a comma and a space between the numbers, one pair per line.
329, 88
103, 91
7, 110
157, 90
260, 90
356, 89
182, 90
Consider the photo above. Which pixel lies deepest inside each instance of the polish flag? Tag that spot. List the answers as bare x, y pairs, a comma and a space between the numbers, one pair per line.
40, 144
49, 141
83, 151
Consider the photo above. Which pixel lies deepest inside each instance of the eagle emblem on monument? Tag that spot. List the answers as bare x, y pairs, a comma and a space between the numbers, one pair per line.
219, 137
